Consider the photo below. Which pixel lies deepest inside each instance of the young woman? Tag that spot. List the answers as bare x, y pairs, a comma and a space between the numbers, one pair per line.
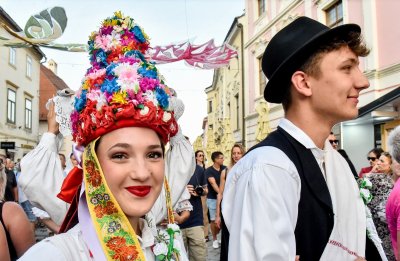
237, 153
373, 157
122, 119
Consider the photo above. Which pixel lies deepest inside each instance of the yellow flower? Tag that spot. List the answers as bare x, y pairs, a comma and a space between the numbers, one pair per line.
85, 85
119, 97
118, 14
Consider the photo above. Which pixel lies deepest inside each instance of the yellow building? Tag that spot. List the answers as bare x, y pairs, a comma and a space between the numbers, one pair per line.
225, 121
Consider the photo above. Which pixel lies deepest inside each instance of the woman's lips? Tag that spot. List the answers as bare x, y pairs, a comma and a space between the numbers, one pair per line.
139, 191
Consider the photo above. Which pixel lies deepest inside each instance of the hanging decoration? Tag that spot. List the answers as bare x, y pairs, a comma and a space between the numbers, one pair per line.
43, 28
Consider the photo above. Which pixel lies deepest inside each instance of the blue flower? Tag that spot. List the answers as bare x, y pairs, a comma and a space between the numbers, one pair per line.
110, 69
136, 54
110, 86
81, 101
148, 73
101, 58
162, 98
138, 34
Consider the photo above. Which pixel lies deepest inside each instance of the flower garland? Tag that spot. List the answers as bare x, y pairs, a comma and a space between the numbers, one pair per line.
365, 186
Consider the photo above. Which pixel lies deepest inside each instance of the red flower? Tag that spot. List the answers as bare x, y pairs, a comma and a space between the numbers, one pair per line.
115, 243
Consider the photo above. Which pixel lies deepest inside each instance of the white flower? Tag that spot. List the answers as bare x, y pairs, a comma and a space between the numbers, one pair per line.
174, 227
365, 193
177, 245
160, 249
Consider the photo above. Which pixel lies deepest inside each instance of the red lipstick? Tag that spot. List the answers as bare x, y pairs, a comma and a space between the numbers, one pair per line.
139, 191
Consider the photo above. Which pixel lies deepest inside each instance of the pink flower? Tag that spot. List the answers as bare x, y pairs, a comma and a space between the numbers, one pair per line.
101, 42
96, 74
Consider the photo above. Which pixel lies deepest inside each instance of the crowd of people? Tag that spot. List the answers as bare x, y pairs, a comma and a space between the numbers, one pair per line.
134, 189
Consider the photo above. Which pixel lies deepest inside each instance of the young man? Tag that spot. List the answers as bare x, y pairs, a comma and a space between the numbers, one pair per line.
213, 175
192, 229
294, 194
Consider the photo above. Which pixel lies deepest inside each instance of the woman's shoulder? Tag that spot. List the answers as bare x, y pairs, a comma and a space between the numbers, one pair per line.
65, 246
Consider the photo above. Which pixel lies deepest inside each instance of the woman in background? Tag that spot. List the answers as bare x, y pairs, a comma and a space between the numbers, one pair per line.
237, 153
382, 185
372, 157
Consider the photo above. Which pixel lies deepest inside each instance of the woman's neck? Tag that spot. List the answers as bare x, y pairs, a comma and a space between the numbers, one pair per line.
134, 221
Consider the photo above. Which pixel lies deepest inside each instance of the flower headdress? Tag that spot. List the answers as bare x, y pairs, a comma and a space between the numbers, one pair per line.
121, 88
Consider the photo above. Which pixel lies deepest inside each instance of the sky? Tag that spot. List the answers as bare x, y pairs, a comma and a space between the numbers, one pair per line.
164, 21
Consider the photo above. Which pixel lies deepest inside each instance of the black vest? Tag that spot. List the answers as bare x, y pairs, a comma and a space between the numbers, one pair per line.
315, 214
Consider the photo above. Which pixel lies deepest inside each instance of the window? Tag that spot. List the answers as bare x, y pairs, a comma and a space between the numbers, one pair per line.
28, 113
261, 77
229, 110
13, 54
29, 66
334, 15
261, 7
237, 112
209, 106
11, 102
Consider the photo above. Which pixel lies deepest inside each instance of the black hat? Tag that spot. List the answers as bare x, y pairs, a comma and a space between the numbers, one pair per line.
291, 47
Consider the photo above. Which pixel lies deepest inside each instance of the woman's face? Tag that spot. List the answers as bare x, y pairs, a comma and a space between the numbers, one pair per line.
236, 154
200, 157
372, 159
133, 166
384, 164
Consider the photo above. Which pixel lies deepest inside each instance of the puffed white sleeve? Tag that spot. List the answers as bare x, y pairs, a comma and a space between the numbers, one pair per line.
260, 206
41, 177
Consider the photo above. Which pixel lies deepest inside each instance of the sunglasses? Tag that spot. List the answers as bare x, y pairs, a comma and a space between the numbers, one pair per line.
334, 141
371, 158
200, 155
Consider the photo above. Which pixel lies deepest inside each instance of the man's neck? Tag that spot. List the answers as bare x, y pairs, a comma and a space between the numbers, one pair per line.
316, 128
216, 166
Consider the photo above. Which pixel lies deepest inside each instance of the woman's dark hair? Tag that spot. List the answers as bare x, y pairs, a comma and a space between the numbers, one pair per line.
376, 151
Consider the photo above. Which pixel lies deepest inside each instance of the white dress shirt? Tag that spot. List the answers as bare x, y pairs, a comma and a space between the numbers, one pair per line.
261, 199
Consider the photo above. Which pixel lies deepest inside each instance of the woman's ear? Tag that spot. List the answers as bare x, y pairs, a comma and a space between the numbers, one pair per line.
301, 84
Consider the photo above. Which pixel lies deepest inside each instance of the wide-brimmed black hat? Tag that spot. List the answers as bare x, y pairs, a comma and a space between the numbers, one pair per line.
291, 47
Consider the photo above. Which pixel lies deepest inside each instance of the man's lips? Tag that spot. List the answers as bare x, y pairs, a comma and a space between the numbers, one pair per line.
140, 191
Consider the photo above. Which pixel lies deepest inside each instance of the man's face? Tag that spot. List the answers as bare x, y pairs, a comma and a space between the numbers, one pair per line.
334, 142
219, 160
336, 90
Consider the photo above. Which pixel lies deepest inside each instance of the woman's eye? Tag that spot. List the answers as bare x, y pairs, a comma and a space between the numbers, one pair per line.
155, 155
118, 156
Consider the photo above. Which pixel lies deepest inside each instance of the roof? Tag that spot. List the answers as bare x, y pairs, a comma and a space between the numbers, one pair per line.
58, 83
392, 97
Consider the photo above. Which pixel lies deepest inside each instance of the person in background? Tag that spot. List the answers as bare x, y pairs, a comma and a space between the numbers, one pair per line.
11, 193
393, 203
372, 157
193, 228
200, 160
63, 163
335, 144
237, 153
213, 175
24, 202
17, 228
382, 185
73, 160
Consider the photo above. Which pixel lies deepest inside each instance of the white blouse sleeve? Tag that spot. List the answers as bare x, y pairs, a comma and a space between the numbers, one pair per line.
42, 176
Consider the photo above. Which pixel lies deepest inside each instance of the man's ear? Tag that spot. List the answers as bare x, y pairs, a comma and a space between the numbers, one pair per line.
300, 83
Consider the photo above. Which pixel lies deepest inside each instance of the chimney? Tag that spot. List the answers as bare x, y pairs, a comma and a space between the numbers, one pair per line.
52, 65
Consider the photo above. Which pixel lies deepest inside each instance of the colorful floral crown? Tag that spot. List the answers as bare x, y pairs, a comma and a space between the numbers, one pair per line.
121, 89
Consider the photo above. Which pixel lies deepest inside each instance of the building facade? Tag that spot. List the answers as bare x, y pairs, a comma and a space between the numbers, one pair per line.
19, 95
225, 98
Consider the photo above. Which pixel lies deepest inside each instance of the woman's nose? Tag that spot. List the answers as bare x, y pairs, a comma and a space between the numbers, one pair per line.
140, 170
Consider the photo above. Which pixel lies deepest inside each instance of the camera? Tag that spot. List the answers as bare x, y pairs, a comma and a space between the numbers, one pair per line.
199, 190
